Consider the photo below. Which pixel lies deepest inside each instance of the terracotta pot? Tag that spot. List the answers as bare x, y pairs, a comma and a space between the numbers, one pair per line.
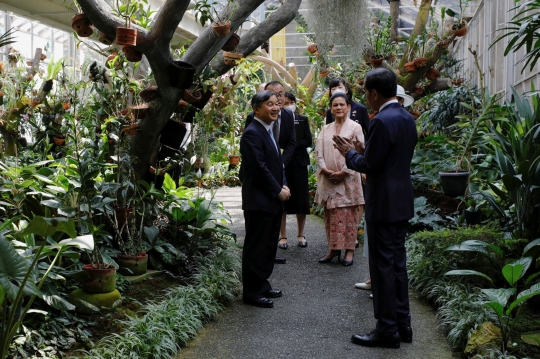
126, 36
415, 114
234, 159
82, 25
131, 130
433, 74
123, 214
43, 57
139, 112
231, 58
410, 66
59, 141
231, 43
457, 82
132, 265
181, 74
132, 54
149, 93
420, 62
104, 39
324, 72
182, 105
222, 29
192, 97
100, 280
312, 48
460, 32
376, 62
419, 90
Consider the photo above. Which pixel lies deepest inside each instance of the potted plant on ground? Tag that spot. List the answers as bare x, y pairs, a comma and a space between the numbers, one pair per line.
473, 213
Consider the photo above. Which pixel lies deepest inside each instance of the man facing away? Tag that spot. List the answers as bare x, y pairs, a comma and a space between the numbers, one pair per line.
389, 206
263, 191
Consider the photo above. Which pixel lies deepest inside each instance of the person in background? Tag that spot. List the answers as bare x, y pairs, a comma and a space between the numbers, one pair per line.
339, 189
297, 176
358, 112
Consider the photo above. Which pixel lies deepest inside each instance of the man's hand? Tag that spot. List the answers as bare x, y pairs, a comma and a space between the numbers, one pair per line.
364, 178
337, 177
343, 145
359, 146
285, 194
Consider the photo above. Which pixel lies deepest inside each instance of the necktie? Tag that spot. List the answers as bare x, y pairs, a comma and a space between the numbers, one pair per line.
273, 138
275, 128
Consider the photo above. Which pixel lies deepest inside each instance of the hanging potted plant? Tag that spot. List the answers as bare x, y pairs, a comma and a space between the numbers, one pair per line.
231, 58
379, 42
433, 74
104, 39
181, 74
82, 25
459, 28
149, 93
126, 35
203, 13
420, 42
131, 53
231, 43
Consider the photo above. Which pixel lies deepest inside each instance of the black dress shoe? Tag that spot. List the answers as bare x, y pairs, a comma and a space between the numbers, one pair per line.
405, 334
259, 302
302, 244
375, 339
280, 260
274, 293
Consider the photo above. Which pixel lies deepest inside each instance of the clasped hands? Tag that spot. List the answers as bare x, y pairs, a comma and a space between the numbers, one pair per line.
285, 194
344, 145
335, 177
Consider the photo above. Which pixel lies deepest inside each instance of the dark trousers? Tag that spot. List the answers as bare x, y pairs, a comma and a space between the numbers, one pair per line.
260, 245
388, 270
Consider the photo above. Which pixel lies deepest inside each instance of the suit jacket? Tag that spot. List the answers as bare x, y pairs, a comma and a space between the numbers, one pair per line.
387, 161
287, 134
261, 171
359, 115
304, 140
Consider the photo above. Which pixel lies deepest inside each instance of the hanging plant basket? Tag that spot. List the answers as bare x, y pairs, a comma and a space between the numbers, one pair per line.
139, 111
104, 39
234, 160
312, 48
222, 29
454, 183
324, 72
132, 54
459, 32
82, 25
149, 93
410, 66
126, 36
131, 130
100, 280
419, 90
376, 61
433, 74
231, 43
59, 141
182, 106
181, 74
420, 62
231, 58
192, 97
132, 265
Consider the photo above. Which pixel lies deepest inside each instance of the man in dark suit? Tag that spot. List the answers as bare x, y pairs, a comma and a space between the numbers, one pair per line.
389, 206
263, 190
284, 131
358, 111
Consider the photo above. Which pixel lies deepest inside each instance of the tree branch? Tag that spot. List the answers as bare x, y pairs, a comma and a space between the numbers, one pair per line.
419, 27
166, 22
262, 32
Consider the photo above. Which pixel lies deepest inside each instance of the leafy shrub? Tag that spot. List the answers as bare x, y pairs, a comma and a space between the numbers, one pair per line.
425, 217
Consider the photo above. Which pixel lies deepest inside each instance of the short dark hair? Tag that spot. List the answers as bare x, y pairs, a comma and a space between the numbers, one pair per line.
261, 97
340, 94
382, 80
336, 81
271, 83
290, 96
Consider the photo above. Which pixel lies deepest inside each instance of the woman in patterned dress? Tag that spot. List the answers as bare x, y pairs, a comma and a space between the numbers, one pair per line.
339, 189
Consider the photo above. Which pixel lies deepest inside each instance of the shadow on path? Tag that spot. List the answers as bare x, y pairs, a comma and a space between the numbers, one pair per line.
318, 313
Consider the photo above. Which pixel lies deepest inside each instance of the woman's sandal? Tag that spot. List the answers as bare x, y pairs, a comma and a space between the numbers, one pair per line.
283, 245
302, 244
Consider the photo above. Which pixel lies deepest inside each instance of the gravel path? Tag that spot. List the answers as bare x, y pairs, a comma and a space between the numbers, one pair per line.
319, 311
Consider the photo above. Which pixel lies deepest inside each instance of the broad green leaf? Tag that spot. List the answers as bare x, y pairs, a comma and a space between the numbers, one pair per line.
151, 233
531, 338
45, 227
500, 295
13, 269
512, 272
2, 295
84, 242
531, 277
58, 302
88, 305
497, 308
468, 248
168, 183
524, 296
532, 249
468, 272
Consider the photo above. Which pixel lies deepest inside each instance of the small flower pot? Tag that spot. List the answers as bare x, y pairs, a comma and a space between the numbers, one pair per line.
419, 90
82, 25
132, 265
131, 130
192, 97
181, 74
420, 62
453, 183
126, 36
473, 217
324, 72
457, 82
459, 32
132, 54
433, 74
376, 62
100, 280
410, 66
222, 29
312, 48
149, 93
182, 106
139, 112
231, 58
234, 160
231, 43
59, 141
104, 39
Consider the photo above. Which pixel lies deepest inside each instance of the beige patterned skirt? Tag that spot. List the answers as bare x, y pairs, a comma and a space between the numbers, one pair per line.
341, 225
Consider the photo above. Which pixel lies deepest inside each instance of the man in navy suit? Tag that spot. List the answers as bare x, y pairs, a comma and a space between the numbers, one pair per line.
389, 205
263, 191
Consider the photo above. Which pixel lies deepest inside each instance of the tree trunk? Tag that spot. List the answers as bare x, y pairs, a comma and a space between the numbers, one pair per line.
394, 13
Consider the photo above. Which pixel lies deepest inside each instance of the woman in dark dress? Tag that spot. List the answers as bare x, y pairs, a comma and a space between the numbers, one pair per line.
297, 176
